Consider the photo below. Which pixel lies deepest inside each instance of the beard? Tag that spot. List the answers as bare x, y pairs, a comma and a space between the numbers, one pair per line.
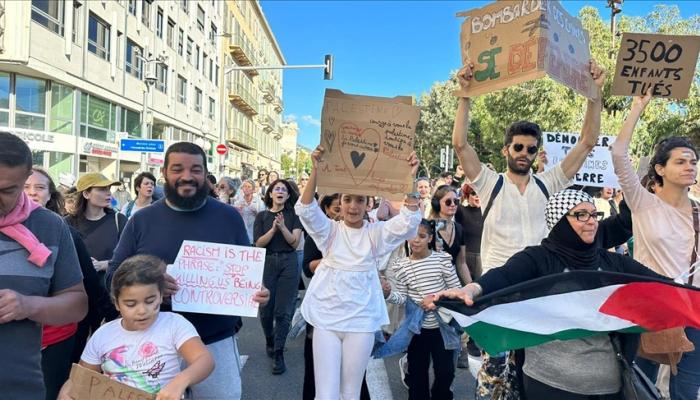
185, 203
515, 168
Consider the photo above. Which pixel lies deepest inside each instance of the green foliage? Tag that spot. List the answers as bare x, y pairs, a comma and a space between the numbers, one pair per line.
287, 165
557, 108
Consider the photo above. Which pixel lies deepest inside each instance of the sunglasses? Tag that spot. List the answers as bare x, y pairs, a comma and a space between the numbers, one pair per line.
518, 147
584, 216
451, 202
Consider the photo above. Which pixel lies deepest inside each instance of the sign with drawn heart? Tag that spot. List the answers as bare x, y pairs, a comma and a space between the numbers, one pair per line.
368, 141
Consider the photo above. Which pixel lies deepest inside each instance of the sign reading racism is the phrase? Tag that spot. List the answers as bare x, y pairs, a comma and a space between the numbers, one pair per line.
596, 171
511, 42
663, 63
367, 141
217, 278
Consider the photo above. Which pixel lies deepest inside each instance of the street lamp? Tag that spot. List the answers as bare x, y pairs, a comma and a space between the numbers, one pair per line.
150, 80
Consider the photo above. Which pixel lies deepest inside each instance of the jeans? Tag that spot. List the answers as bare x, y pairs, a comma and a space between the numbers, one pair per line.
56, 365
428, 344
225, 381
686, 385
280, 276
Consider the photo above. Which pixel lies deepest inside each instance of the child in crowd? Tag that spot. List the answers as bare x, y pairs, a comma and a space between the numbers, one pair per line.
427, 271
145, 347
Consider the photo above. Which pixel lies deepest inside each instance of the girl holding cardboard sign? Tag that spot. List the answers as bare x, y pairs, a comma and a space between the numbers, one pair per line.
344, 301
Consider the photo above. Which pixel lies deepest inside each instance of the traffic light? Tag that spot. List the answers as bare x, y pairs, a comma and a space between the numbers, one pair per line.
328, 70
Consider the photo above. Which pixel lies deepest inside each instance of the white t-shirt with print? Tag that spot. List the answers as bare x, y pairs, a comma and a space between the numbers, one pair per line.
145, 360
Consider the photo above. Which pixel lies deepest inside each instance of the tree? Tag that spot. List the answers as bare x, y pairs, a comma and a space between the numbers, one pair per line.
287, 165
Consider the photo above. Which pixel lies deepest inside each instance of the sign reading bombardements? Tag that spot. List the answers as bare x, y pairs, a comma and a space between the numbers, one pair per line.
511, 42
663, 63
367, 141
596, 171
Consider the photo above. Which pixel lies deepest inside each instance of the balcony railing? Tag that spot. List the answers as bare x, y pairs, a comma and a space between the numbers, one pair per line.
278, 104
242, 99
268, 124
243, 53
268, 91
242, 138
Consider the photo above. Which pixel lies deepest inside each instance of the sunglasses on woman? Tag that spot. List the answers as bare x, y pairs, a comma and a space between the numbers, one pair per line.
518, 147
584, 216
451, 202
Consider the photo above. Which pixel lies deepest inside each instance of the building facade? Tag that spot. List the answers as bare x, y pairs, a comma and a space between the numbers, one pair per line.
251, 122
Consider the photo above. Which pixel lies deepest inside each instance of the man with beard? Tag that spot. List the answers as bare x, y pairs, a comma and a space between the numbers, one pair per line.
188, 213
514, 209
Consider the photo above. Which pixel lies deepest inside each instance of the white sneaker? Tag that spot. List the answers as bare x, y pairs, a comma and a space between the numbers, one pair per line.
403, 369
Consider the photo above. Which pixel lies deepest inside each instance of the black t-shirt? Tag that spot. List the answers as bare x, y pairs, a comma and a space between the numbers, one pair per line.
473, 225
263, 223
457, 241
101, 236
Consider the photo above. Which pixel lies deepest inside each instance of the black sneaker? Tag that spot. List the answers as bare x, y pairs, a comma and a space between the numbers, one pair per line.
278, 366
270, 346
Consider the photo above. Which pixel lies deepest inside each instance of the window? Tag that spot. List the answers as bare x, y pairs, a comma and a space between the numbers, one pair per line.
49, 13
98, 118
76, 21
170, 38
98, 37
200, 18
212, 108
181, 42
133, 60
198, 99
183, 5
205, 58
146, 12
4, 99
190, 44
30, 96
159, 23
162, 77
61, 109
196, 57
211, 69
132, 7
130, 122
181, 89
212, 34
215, 78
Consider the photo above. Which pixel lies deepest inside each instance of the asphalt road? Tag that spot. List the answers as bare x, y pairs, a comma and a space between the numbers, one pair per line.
383, 376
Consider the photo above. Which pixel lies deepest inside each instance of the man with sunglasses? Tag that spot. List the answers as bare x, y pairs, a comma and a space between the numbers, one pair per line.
514, 213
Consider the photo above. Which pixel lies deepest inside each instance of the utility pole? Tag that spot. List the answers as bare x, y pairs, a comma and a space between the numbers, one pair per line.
149, 79
614, 10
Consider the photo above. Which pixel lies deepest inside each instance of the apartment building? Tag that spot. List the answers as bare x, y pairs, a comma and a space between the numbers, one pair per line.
76, 75
252, 119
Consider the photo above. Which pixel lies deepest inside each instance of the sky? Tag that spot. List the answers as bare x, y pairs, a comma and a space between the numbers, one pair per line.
381, 48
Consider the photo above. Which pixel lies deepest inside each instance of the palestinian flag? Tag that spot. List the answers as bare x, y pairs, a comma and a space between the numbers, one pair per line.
574, 305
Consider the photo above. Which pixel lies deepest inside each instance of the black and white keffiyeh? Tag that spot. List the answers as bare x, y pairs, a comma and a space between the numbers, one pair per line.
562, 202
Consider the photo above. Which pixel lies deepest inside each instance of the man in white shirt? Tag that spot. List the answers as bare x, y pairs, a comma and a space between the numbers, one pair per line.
514, 218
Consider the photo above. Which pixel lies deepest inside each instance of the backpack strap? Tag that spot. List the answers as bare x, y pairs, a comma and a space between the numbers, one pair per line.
496, 188
696, 227
129, 209
541, 185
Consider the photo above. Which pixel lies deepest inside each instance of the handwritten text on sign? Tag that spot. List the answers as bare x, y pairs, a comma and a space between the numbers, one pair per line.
511, 42
217, 278
597, 170
663, 63
367, 142
90, 385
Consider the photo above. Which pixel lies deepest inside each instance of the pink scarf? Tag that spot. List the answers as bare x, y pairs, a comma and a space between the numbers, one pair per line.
11, 225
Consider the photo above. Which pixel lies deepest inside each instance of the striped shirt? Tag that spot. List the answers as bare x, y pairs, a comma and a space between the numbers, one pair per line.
418, 278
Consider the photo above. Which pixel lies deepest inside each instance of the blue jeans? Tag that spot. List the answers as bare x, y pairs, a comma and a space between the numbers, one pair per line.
686, 385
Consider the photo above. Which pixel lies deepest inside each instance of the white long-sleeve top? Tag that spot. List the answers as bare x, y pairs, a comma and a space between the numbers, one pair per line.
345, 294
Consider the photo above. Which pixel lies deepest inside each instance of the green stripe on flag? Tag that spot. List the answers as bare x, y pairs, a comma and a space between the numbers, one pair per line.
495, 339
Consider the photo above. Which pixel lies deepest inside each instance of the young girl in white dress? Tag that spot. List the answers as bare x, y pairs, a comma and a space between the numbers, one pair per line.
344, 302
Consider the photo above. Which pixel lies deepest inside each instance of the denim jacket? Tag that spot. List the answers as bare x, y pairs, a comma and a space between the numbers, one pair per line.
411, 325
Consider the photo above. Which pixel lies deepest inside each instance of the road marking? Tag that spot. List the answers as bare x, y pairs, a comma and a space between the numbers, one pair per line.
378, 380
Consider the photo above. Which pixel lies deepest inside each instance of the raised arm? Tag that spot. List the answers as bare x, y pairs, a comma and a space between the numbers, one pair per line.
591, 127
310, 189
466, 154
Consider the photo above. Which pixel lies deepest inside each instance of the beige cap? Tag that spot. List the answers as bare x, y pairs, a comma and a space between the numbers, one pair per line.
94, 179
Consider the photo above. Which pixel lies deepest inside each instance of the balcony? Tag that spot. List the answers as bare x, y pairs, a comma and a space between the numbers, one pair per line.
242, 52
268, 91
241, 138
268, 124
242, 99
278, 105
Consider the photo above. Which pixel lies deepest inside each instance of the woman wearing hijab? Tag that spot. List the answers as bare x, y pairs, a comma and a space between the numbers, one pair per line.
574, 369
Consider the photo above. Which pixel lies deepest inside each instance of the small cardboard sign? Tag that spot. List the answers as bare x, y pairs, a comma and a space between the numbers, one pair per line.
217, 278
663, 63
368, 141
596, 171
511, 42
91, 385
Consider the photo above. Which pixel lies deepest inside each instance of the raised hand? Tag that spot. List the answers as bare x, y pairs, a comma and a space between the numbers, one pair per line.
597, 73
317, 156
465, 75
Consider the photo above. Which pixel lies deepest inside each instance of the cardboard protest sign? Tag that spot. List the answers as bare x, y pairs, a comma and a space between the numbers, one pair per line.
368, 141
511, 42
90, 385
596, 171
217, 278
664, 63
